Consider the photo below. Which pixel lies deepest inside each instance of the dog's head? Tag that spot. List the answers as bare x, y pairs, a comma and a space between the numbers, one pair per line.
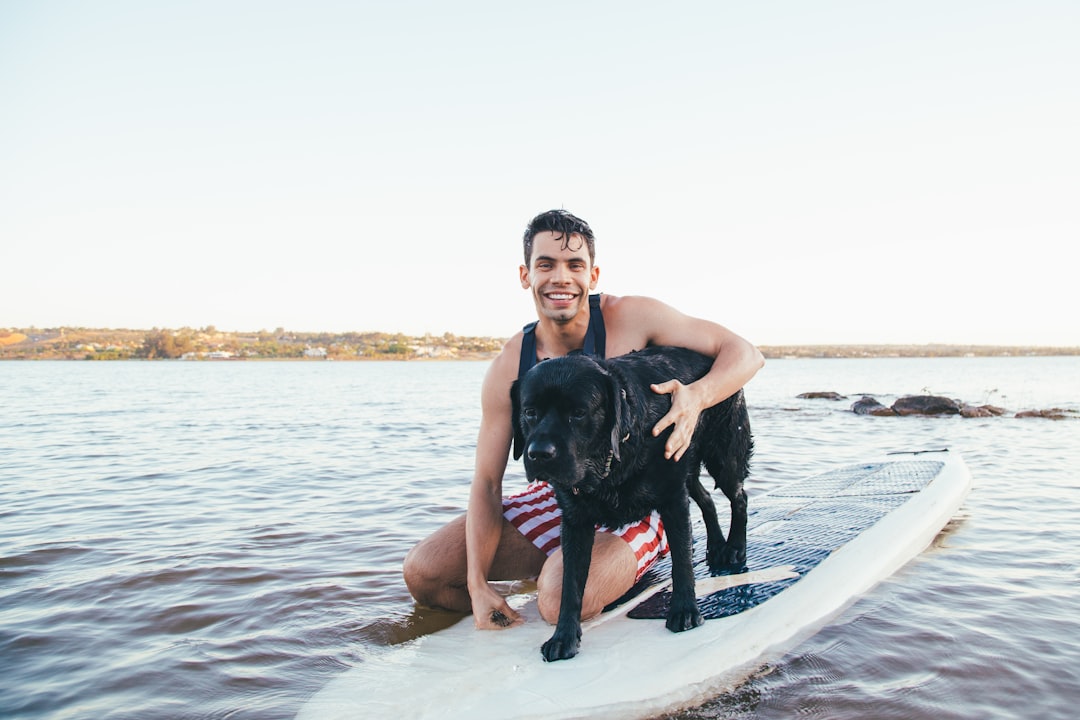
568, 416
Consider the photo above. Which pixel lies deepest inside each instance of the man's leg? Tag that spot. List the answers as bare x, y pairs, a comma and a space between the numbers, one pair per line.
612, 572
435, 569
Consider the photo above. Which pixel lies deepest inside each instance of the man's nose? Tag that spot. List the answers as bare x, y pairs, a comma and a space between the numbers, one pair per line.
561, 275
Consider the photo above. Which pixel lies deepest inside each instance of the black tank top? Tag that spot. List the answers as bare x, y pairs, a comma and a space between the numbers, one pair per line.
595, 338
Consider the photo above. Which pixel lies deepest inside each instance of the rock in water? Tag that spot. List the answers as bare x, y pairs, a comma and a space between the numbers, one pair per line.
926, 405
977, 411
870, 406
821, 396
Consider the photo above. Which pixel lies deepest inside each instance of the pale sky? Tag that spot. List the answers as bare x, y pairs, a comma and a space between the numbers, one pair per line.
802, 172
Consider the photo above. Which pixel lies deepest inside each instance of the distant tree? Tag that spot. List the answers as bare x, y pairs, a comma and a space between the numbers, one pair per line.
164, 344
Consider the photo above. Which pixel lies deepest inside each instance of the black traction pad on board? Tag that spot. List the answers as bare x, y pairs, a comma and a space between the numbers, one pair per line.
799, 524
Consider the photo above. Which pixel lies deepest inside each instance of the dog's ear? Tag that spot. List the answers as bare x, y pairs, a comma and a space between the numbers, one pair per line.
515, 420
619, 412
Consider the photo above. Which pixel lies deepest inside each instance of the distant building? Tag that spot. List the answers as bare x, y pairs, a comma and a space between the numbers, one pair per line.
433, 351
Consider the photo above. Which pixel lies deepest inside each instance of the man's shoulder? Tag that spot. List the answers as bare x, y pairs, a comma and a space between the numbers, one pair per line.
631, 309
622, 304
633, 322
512, 346
505, 365
500, 376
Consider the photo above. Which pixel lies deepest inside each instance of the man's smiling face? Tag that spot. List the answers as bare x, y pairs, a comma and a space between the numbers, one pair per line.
560, 275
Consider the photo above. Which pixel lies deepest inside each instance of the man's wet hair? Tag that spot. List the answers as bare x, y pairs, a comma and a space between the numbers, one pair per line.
561, 223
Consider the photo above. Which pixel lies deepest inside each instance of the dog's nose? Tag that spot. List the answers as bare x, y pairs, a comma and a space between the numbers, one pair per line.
541, 450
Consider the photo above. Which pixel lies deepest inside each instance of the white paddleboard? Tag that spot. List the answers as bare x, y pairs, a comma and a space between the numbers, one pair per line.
814, 546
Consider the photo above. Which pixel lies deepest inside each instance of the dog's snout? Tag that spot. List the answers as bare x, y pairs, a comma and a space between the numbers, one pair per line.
541, 450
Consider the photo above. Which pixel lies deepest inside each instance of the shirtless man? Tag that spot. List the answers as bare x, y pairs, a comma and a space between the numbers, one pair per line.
452, 568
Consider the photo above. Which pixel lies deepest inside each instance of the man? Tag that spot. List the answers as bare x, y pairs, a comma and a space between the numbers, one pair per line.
452, 568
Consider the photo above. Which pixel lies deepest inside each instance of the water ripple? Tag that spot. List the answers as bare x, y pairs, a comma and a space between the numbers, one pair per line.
218, 540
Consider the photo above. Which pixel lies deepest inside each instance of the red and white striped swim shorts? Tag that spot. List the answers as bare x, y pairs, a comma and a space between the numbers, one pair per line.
536, 514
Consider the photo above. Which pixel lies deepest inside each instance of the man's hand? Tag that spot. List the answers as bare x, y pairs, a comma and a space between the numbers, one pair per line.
490, 611
682, 417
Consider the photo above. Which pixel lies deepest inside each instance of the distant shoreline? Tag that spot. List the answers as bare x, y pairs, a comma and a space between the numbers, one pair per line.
210, 344
913, 351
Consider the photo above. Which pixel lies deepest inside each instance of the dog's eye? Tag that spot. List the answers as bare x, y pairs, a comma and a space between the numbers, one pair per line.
578, 414
529, 413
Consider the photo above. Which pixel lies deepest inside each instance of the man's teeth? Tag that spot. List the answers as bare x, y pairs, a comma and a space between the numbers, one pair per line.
559, 296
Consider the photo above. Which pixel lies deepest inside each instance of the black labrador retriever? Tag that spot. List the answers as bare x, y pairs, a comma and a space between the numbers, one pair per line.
585, 426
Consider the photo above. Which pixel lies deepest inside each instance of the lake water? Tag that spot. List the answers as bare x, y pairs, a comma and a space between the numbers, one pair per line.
212, 540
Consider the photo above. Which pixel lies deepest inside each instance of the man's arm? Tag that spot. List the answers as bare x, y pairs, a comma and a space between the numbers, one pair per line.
737, 361
484, 519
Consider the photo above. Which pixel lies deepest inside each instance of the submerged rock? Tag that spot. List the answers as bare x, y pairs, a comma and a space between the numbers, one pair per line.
1050, 413
976, 411
926, 405
936, 405
829, 395
867, 405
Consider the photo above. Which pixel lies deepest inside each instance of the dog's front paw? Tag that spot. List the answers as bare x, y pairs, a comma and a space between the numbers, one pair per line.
561, 646
681, 619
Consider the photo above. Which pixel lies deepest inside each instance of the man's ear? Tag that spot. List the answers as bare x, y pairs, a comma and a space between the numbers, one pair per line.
515, 420
523, 271
594, 277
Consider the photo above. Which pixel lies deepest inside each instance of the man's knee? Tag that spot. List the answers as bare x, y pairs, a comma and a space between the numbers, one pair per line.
612, 572
418, 572
435, 563
549, 588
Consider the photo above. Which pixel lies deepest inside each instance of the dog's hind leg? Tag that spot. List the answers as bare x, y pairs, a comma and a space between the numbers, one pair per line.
729, 474
734, 554
714, 548
728, 462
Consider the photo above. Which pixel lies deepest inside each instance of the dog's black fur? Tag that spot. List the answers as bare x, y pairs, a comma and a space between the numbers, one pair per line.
585, 426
